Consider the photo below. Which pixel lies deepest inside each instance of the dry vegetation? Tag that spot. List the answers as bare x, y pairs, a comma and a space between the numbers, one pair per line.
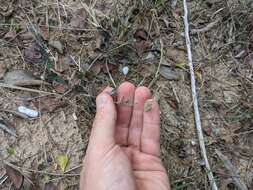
74, 48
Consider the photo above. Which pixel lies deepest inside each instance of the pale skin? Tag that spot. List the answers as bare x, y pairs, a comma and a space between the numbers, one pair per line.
124, 147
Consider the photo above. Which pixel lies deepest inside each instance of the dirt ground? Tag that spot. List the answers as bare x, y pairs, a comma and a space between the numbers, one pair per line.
68, 50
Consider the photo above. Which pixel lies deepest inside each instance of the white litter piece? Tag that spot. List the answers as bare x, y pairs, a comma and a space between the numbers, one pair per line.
29, 112
125, 70
195, 100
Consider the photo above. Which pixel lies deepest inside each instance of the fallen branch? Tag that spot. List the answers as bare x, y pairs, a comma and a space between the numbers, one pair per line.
232, 171
195, 100
3, 85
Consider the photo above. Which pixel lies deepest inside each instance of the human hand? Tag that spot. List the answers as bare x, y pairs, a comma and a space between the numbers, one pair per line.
124, 148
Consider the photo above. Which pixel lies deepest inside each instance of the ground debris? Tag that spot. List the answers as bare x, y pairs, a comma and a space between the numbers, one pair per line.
141, 34
79, 18
60, 87
2, 70
48, 104
6, 128
33, 54
57, 45
21, 78
169, 73
232, 171
15, 176
7, 11
50, 186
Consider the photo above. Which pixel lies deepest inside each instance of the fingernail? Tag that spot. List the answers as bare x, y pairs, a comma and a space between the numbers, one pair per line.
102, 100
108, 89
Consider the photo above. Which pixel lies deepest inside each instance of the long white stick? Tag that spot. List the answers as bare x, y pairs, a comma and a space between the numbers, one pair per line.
195, 100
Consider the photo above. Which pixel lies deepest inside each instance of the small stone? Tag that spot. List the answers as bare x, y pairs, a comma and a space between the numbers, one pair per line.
169, 74
125, 70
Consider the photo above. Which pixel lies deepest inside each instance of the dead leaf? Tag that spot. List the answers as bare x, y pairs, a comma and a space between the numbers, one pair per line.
21, 78
2, 70
33, 55
168, 73
57, 45
78, 19
76, 82
142, 47
10, 35
28, 36
149, 58
60, 87
207, 130
228, 134
7, 12
45, 34
16, 177
48, 104
173, 103
50, 186
148, 70
141, 34
110, 67
176, 56
199, 74
63, 64
96, 68
180, 65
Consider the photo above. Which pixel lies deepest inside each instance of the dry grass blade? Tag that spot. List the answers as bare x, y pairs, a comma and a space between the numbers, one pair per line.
3, 177
108, 71
15, 113
8, 130
25, 89
232, 171
206, 28
195, 100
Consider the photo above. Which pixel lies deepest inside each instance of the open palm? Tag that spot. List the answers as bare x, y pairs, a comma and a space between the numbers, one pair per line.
124, 148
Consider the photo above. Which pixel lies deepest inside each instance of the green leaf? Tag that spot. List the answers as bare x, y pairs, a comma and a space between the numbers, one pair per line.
62, 161
158, 3
11, 151
46, 179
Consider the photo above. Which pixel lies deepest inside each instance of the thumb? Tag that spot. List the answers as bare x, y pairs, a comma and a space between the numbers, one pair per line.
102, 134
